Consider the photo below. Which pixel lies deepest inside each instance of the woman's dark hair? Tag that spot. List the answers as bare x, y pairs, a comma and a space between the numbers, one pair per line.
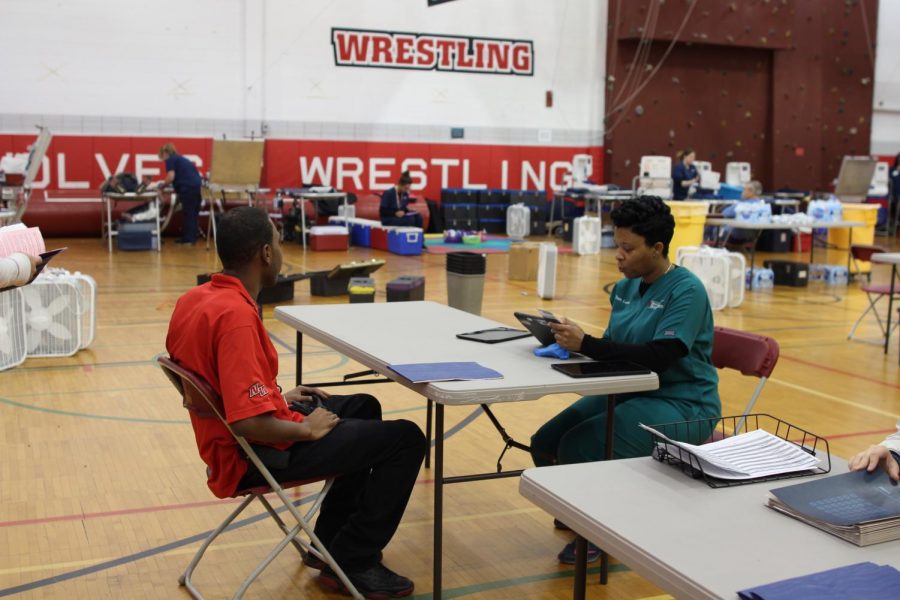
241, 233
648, 217
682, 153
405, 179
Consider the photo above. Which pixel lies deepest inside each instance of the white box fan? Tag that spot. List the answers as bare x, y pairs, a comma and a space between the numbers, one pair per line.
88, 288
586, 233
53, 307
12, 329
721, 271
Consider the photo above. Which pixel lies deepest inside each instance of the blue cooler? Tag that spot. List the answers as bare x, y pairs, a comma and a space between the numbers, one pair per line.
728, 191
361, 235
136, 236
406, 241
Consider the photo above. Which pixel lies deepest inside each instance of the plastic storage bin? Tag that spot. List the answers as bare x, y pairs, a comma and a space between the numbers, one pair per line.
136, 236
406, 288
794, 274
840, 238
690, 217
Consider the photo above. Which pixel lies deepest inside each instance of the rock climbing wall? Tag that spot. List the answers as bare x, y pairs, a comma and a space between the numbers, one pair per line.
783, 84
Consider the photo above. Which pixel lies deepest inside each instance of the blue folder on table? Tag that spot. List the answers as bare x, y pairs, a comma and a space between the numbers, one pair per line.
444, 371
862, 581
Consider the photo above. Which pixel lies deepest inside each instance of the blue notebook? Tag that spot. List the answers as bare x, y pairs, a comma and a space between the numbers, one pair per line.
844, 500
862, 581
444, 371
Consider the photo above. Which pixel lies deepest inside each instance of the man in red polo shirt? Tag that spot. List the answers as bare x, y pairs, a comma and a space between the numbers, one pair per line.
216, 332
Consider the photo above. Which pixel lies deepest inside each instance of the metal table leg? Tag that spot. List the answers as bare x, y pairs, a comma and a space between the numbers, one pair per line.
298, 360
428, 415
438, 499
887, 334
578, 593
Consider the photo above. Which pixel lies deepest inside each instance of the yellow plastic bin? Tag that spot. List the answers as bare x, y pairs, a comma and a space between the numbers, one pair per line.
690, 218
865, 234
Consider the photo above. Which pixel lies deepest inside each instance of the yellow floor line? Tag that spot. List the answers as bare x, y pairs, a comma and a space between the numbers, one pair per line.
189, 550
843, 401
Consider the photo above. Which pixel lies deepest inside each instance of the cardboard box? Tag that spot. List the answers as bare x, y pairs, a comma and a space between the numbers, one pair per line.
523, 261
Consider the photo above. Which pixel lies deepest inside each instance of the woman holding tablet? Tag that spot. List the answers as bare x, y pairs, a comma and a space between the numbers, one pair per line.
661, 319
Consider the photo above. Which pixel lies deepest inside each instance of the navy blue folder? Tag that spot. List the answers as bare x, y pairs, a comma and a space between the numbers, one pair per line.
862, 581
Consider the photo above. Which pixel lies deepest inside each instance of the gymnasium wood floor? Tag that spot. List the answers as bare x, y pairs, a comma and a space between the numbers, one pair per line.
104, 495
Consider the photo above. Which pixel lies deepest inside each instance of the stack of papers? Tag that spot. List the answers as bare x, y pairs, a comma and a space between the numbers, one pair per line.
444, 371
860, 507
862, 581
750, 455
18, 238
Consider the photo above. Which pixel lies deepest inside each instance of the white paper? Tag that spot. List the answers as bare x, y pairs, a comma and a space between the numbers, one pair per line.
18, 238
749, 455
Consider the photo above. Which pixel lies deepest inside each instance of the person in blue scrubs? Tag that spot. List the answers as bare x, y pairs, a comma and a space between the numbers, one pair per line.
183, 176
394, 204
684, 174
661, 319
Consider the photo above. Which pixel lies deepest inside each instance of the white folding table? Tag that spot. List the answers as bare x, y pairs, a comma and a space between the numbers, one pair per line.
110, 199
760, 227
378, 335
689, 539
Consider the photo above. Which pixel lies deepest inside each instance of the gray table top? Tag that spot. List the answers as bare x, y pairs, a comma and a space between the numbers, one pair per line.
689, 539
380, 334
737, 224
889, 258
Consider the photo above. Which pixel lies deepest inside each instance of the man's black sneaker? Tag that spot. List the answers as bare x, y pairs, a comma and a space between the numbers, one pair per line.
567, 555
375, 583
314, 562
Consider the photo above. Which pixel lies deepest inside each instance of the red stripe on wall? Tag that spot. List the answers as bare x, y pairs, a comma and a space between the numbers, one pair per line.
76, 166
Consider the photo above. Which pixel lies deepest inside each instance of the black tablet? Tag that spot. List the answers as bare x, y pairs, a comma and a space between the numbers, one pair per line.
538, 326
604, 368
494, 336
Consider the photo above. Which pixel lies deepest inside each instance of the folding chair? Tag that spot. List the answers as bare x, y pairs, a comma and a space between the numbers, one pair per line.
874, 291
202, 401
752, 354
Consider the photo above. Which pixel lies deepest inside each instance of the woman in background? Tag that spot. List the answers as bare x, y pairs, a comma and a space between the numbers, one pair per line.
394, 203
684, 174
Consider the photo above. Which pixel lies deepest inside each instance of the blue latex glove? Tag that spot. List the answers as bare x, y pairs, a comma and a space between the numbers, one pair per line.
552, 351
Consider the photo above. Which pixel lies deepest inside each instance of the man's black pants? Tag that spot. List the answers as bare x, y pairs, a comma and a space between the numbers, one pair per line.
376, 463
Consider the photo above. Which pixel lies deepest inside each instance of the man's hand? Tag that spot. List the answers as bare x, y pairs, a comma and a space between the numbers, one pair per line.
567, 334
400, 213
874, 456
320, 421
302, 393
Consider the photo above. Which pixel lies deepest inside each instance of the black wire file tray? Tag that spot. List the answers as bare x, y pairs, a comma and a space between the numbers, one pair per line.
703, 431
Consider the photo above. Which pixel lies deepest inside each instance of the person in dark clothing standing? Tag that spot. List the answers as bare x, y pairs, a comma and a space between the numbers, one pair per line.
183, 176
394, 203
684, 174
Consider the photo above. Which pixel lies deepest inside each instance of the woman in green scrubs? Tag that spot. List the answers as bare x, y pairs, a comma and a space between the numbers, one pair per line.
661, 319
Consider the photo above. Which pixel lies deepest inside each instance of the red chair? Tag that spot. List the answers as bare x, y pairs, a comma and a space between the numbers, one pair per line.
874, 291
202, 401
752, 354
